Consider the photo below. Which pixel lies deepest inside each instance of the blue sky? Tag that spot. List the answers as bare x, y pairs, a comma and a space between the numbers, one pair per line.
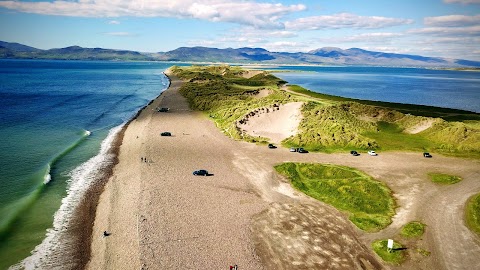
445, 28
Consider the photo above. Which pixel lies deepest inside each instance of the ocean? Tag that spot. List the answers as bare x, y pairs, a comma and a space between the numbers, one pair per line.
440, 88
57, 121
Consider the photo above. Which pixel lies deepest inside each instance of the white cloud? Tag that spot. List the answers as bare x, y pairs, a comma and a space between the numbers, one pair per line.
452, 21
465, 2
366, 37
448, 31
113, 22
120, 34
252, 13
344, 20
284, 46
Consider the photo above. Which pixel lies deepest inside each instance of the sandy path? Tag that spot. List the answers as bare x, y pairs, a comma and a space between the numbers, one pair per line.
162, 217
424, 125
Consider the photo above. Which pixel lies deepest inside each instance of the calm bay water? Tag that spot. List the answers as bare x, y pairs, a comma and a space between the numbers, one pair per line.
54, 116
441, 88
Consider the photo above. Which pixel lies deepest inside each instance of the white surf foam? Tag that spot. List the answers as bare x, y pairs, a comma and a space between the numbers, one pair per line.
47, 176
81, 178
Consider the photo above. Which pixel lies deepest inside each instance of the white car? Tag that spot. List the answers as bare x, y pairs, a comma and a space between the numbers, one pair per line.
372, 153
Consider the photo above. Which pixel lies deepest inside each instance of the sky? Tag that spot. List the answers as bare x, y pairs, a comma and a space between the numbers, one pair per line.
438, 28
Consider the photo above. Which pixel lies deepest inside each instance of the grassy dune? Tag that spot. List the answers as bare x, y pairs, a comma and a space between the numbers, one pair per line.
330, 123
369, 202
413, 229
344, 124
472, 213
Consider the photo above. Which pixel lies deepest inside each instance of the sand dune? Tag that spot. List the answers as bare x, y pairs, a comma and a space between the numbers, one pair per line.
276, 125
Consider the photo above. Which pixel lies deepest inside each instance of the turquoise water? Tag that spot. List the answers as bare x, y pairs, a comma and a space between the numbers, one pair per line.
441, 88
54, 116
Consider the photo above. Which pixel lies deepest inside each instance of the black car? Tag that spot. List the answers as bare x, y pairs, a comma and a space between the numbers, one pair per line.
165, 134
163, 110
271, 146
354, 153
301, 150
427, 155
201, 173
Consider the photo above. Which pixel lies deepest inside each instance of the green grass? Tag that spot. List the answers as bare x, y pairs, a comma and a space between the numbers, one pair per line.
396, 256
413, 229
472, 213
390, 137
370, 203
445, 179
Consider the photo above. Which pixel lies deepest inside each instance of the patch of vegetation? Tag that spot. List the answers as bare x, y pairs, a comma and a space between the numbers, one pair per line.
472, 213
396, 256
442, 178
413, 229
369, 202
423, 252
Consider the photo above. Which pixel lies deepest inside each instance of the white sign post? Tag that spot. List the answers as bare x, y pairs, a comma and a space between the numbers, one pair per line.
389, 245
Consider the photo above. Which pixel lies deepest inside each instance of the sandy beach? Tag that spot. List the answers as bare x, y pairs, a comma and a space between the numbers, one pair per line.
160, 216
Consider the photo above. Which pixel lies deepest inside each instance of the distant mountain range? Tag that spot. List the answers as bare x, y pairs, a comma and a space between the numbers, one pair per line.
323, 56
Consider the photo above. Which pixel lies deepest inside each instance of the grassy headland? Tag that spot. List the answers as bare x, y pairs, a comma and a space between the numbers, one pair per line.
369, 202
330, 123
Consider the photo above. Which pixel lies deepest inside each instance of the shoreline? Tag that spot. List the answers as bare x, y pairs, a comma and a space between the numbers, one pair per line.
85, 216
76, 233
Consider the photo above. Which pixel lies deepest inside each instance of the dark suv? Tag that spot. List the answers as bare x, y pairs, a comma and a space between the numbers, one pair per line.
201, 173
271, 146
354, 153
301, 150
427, 155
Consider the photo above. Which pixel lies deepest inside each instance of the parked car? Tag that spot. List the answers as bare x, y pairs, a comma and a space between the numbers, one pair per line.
427, 155
293, 149
163, 109
201, 173
166, 133
354, 153
301, 150
271, 146
372, 153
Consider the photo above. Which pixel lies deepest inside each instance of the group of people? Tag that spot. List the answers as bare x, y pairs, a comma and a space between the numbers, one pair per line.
143, 159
